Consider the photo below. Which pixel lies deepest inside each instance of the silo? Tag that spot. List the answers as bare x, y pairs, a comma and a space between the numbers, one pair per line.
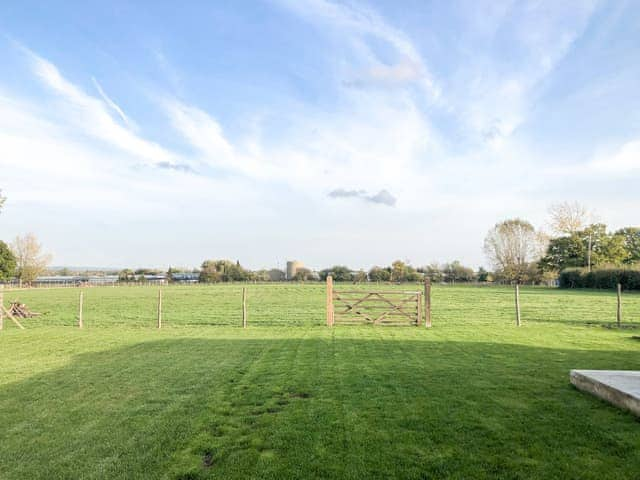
292, 267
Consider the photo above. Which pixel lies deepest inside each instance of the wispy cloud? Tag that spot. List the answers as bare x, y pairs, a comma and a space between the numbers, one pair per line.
624, 160
383, 197
112, 104
92, 115
491, 97
358, 23
177, 167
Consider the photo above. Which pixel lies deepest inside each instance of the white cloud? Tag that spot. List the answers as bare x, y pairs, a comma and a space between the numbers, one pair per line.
624, 160
506, 55
91, 116
355, 23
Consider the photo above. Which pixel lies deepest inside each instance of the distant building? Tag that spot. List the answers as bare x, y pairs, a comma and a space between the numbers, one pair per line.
185, 277
68, 280
276, 275
151, 278
292, 268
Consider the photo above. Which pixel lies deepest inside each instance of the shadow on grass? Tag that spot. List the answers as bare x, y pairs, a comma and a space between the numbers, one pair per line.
317, 408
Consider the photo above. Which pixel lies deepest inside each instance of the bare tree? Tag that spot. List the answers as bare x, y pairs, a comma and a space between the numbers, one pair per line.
568, 217
512, 246
30, 261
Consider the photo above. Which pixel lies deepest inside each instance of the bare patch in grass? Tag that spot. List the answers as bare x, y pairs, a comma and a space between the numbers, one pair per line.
207, 459
299, 395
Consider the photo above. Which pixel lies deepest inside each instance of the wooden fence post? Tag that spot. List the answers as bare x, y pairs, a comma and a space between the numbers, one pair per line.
80, 324
244, 307
619, 311
1, 307
427, 302
329, 301
517, 304
159, 307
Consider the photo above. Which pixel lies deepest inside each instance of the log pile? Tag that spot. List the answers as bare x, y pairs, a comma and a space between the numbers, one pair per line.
20, 310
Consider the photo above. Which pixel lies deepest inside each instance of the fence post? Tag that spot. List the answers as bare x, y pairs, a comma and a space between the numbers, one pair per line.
1, 307
427, 302
80, 323
517, 304
329, 301
619, 311
244, 307
159, 307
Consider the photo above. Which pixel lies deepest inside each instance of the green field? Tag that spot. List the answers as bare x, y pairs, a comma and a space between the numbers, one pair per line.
473, 397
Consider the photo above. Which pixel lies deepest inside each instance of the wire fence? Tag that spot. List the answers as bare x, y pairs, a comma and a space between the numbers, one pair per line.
291, 304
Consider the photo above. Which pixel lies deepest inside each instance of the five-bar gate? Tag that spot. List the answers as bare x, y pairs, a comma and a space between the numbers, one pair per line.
390, 307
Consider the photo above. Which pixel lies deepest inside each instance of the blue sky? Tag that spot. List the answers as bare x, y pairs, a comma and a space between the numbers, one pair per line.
333, 132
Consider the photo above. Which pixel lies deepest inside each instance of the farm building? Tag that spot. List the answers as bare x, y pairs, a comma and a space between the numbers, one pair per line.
187, 277
292, 268
69, 280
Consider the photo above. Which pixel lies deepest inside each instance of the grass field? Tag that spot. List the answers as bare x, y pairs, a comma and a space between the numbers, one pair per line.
473, 397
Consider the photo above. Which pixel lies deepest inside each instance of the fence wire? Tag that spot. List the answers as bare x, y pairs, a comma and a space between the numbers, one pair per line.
292, 304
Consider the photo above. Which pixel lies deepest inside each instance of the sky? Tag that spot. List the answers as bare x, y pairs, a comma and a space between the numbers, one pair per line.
159, 133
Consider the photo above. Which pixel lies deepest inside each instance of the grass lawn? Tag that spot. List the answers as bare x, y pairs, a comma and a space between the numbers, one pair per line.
474, 397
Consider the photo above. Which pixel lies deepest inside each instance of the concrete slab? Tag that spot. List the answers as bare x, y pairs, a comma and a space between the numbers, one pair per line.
619, 387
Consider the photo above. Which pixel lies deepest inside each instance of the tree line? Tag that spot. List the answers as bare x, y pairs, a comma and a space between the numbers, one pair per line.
23, 259
577, 246
521, 254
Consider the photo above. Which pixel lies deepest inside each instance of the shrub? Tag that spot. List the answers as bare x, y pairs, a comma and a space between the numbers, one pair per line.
602, 278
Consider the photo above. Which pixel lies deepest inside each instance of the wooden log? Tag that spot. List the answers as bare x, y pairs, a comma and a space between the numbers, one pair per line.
244, 307
619, 309
160, 308
427, 302
80, 306
14, 319
517, 304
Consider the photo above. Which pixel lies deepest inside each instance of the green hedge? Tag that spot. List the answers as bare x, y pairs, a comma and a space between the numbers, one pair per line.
606, 278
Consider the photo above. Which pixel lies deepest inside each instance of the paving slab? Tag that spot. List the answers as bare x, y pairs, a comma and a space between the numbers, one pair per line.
619, 387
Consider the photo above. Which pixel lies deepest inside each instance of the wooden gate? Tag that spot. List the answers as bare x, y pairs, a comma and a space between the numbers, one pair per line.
351, 307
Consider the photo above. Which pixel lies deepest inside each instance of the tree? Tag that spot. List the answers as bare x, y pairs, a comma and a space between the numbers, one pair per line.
302, 275
378, 274
607, 248
360, 276
223, 271
433, 272
564, 252
483, 275
339, 273
398, 271
456, 272
126, 275
209, 272
402, 272
631, 239
591, 246
2, 200
7, 262
512, 245
30, 261
568, 217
